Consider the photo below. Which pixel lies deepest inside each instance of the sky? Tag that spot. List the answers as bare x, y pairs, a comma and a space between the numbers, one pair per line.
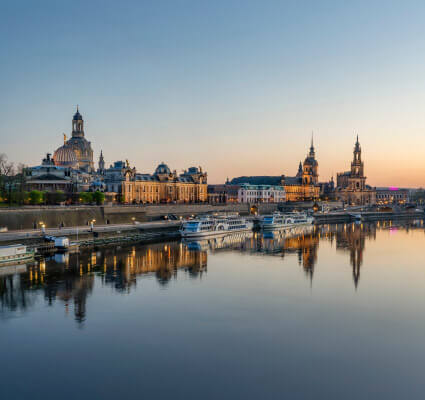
236, 87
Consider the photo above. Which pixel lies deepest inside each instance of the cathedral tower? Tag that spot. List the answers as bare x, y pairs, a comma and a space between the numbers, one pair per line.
310, 174
80, 145
101, 169
357, 178
77, 125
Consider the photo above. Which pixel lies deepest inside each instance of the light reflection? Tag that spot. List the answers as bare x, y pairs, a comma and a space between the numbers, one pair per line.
70, 277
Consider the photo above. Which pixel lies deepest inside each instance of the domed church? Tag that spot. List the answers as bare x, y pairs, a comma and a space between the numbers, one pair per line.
79, 145
64, 156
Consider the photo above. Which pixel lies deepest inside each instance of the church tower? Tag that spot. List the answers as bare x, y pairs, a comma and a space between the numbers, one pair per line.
101, 169
81, 147
310, 175
357, 178
77, 125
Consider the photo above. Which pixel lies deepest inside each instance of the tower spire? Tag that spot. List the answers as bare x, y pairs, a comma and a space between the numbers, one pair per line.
312, 154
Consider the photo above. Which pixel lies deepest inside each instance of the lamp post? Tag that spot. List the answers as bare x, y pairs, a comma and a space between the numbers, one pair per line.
43, 227
92, 224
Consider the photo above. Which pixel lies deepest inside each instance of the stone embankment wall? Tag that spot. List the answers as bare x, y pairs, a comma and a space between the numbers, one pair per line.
28, 217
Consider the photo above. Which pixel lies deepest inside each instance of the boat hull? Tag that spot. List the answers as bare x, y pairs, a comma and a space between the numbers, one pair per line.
17, 259
188, 235
273, 227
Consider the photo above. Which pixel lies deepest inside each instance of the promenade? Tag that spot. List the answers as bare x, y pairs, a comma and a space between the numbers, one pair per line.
86, 230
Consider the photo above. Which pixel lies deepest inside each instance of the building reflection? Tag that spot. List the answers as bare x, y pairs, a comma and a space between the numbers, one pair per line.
70, 278
352, 238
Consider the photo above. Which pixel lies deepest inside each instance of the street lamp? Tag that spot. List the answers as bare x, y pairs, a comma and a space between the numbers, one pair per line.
43, 227
92, 224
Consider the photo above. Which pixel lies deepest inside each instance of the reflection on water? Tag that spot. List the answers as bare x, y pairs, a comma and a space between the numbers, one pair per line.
70, 278
333, 311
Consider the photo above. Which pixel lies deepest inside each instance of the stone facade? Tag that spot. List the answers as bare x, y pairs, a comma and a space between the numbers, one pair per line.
164, 186
392, 195
261, 194
80, 145
302, 187
50, 177
351, 185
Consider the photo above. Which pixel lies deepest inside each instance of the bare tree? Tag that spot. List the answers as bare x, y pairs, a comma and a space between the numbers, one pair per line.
20, 168
6, 168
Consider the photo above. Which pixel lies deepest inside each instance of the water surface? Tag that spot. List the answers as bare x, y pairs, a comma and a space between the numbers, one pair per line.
333, 312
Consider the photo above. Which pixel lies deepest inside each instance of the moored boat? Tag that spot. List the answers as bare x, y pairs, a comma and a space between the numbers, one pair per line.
281, 221
15, 253
212, 226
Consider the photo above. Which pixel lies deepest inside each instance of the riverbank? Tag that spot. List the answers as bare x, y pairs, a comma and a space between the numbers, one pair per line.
85, 233
26, 218
344, 217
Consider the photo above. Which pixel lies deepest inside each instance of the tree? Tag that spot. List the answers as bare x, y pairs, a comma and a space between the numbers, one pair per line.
56, 197
36, 197
7, 170
86, 197
98, 197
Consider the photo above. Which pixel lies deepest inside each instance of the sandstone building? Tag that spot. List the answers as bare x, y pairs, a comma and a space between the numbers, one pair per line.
351, 185
163, 186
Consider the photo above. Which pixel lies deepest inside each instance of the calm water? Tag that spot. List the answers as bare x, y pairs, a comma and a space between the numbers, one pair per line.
335, 312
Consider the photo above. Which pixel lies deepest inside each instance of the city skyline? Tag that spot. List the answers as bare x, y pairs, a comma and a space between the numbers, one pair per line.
235, 90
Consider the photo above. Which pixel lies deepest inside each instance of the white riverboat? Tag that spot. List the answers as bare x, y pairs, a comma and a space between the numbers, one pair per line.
281, 221
15, 254
213, 226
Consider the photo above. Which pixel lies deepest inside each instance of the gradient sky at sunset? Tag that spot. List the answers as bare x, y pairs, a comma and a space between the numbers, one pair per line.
234, 86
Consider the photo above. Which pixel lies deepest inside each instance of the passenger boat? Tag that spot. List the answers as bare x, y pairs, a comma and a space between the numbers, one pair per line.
279, 220
15, 253
212, 226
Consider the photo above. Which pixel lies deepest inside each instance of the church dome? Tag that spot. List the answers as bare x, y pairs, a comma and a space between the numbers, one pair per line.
77, 116
162, 169
310, 161
64, 156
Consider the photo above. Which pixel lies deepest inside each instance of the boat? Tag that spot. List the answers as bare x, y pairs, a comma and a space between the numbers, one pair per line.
15, 253
356, 217
214, 225
278, 220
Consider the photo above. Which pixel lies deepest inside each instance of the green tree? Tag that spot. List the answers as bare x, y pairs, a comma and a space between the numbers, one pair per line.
36, 197
98, 197
86, 197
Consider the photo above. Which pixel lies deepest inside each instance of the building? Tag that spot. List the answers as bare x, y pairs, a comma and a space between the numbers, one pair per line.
79, 144
222, 194
70, 169
351, 185
49, 177
163, 186
392, 195
302, 187
261, 194
114, 176
327, 190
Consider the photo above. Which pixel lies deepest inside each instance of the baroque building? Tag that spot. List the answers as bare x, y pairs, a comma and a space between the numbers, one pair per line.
351, 185
76, 152
261, 194
80, 145
50, 177
304, 186
163, 186
71, 168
